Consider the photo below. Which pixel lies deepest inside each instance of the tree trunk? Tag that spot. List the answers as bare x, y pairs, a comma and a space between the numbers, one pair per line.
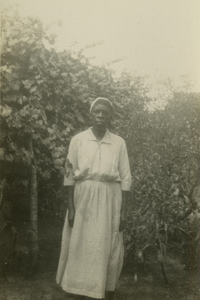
33, 209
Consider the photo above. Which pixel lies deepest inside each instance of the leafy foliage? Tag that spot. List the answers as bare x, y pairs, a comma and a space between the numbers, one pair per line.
165, 147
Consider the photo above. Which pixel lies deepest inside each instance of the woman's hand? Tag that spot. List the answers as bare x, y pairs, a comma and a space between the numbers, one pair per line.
123, 213
122, 225
71, 209
71, 216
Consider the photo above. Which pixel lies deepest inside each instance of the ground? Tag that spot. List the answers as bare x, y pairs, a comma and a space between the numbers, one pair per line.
149, 284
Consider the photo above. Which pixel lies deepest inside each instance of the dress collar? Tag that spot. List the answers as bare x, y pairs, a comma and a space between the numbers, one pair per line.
106, 139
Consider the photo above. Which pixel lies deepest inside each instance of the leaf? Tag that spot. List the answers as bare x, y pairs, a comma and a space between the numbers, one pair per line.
46, 142
66, 131
46, 175
53, 74
56, 153
33, 89
9, 157
27, 83
59, 162
80, 118
30, 41
25, 39
40, 81
64, 74
3, 222
140, 254
36, 136
5, 111
25, 182
160, 256
21, 249
187, 200
12, 146
51, 131
16, 87
198, 234
20, 101
176, 192
2, 151
38, 123
49, 107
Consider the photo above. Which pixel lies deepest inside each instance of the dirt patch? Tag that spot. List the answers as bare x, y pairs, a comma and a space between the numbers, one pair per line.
150, 284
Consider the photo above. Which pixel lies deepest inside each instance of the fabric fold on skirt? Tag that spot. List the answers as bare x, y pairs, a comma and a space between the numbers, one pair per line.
92, 251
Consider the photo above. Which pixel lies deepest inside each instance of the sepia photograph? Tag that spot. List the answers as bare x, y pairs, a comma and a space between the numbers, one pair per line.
100, 149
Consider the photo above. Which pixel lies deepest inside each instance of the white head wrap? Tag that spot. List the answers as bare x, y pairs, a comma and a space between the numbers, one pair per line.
97, 99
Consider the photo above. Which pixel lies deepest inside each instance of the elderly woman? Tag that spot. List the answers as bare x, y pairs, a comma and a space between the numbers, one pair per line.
97, 183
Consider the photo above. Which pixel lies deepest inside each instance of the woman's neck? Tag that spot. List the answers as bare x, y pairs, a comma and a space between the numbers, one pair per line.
99, 133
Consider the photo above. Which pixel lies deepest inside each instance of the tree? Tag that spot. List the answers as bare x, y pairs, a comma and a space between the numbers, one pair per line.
45, 101
165, 144
33, 91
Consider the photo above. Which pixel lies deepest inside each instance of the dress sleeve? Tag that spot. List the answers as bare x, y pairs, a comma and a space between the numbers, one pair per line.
71, 163
124, 169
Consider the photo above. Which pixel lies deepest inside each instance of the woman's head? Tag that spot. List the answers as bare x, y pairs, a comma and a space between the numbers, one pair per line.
103, 101
101, 110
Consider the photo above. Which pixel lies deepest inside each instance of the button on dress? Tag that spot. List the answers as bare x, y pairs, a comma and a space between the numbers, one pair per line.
92, 251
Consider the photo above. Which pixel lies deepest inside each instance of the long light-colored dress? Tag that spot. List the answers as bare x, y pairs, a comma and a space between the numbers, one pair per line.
92, 251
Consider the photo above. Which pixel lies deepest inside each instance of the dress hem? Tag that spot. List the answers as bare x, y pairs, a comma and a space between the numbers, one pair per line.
83, 292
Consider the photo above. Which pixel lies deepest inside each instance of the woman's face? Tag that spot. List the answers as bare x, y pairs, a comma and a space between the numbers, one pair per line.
100, 116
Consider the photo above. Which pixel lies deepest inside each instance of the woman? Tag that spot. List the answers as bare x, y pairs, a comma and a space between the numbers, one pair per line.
98, 182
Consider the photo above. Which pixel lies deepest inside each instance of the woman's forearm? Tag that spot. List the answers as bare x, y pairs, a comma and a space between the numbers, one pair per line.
71, 209
124, 207
70, 196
